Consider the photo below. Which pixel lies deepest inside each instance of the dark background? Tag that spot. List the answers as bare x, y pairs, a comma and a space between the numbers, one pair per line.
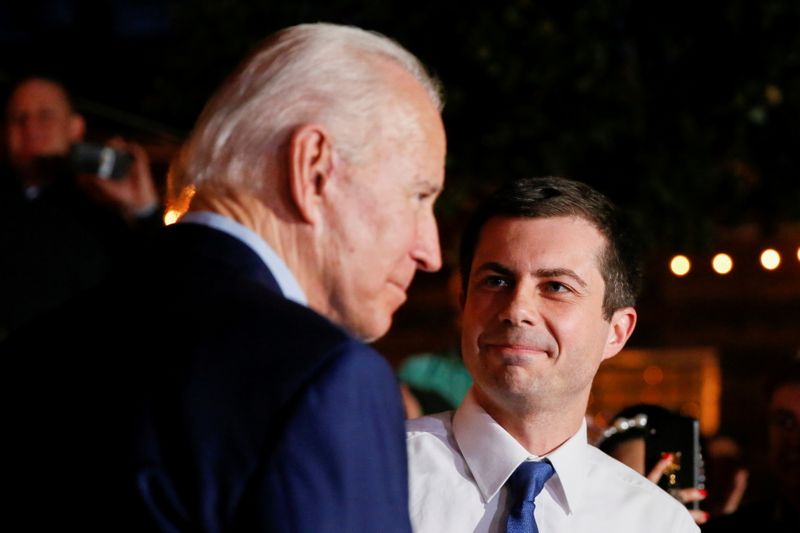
686, 113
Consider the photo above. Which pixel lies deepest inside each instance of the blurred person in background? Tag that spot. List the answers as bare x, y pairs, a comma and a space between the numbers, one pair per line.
41, 127
61, 232
626, 439
778, 509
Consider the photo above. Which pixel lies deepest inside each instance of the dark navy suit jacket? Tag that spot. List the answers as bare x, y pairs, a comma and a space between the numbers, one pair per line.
190, 395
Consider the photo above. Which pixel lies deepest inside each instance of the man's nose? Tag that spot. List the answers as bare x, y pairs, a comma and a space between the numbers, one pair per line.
521, 307
426, 251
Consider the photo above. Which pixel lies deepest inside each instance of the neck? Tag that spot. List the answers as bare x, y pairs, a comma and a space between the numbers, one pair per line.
540, 429
288, 238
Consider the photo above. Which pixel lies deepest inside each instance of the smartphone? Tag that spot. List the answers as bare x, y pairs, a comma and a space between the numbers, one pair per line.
100, 160
679, 436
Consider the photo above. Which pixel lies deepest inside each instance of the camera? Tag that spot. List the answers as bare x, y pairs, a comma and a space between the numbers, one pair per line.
100, 160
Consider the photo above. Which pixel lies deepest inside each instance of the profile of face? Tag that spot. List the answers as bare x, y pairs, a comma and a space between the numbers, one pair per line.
40, 122
784, 437
381, 214
533, 328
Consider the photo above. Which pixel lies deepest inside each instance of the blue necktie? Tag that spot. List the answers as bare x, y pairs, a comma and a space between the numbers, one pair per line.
524, 485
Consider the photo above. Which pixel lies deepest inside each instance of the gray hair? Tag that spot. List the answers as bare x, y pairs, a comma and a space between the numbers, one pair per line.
310, 73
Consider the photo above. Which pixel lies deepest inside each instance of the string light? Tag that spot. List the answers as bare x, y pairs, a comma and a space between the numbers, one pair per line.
722, 264
680, 265
770, 259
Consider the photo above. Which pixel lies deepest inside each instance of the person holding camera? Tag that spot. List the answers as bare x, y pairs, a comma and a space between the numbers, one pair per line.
61, 227
776, 507
42, 128
548, 288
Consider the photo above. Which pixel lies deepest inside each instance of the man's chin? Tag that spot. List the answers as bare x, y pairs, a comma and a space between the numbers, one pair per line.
371, 328
375, 333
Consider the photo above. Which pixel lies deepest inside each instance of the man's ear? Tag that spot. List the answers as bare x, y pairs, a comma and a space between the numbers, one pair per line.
311, 167
77, 127
623, 321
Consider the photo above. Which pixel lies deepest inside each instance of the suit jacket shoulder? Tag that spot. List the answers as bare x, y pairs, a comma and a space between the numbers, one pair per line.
196, 397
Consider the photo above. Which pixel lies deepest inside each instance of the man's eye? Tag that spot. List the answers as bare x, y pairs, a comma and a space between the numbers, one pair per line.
555, 286
784, 420
425, 196
495, 282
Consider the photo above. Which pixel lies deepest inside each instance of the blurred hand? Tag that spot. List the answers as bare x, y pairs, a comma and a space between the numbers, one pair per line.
135, 193
682, 495
737, 491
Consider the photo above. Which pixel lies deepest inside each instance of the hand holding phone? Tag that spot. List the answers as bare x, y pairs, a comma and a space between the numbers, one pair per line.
100, 160
679, 437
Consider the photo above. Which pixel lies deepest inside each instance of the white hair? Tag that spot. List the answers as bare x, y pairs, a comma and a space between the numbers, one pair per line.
310, 73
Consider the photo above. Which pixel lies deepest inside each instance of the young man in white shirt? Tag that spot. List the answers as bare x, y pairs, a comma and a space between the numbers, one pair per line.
549, 285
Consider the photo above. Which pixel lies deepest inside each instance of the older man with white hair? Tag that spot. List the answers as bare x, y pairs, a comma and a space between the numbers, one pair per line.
247, 401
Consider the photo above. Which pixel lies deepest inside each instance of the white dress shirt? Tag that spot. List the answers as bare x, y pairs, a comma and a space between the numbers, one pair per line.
283, 276
459, 463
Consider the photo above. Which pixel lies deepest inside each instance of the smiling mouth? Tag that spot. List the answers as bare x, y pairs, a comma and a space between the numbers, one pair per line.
516, 352
399, 286
400, 289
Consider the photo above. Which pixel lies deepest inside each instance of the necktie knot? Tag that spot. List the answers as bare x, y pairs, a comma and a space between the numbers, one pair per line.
529, 478
525, 484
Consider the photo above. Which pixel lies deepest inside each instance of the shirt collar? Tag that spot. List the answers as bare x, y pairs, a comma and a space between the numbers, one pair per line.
283, 276
571, 462
492, 455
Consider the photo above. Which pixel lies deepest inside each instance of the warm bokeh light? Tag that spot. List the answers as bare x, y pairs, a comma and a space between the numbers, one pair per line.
770, 259
653, 375
178, 206
690, 409
680, 265
773, 94
722, 263
798, 253
171, 216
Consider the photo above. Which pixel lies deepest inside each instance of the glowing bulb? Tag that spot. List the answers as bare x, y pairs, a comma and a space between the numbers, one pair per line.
722, 263
680, 265
770, 259
798, 253
171, 216
179, 206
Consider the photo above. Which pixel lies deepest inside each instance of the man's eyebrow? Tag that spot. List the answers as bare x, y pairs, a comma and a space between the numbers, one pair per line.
561, 272
491, 266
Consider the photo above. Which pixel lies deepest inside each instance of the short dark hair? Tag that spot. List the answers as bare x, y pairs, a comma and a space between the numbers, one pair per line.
555, 197
42, 77
634, 422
